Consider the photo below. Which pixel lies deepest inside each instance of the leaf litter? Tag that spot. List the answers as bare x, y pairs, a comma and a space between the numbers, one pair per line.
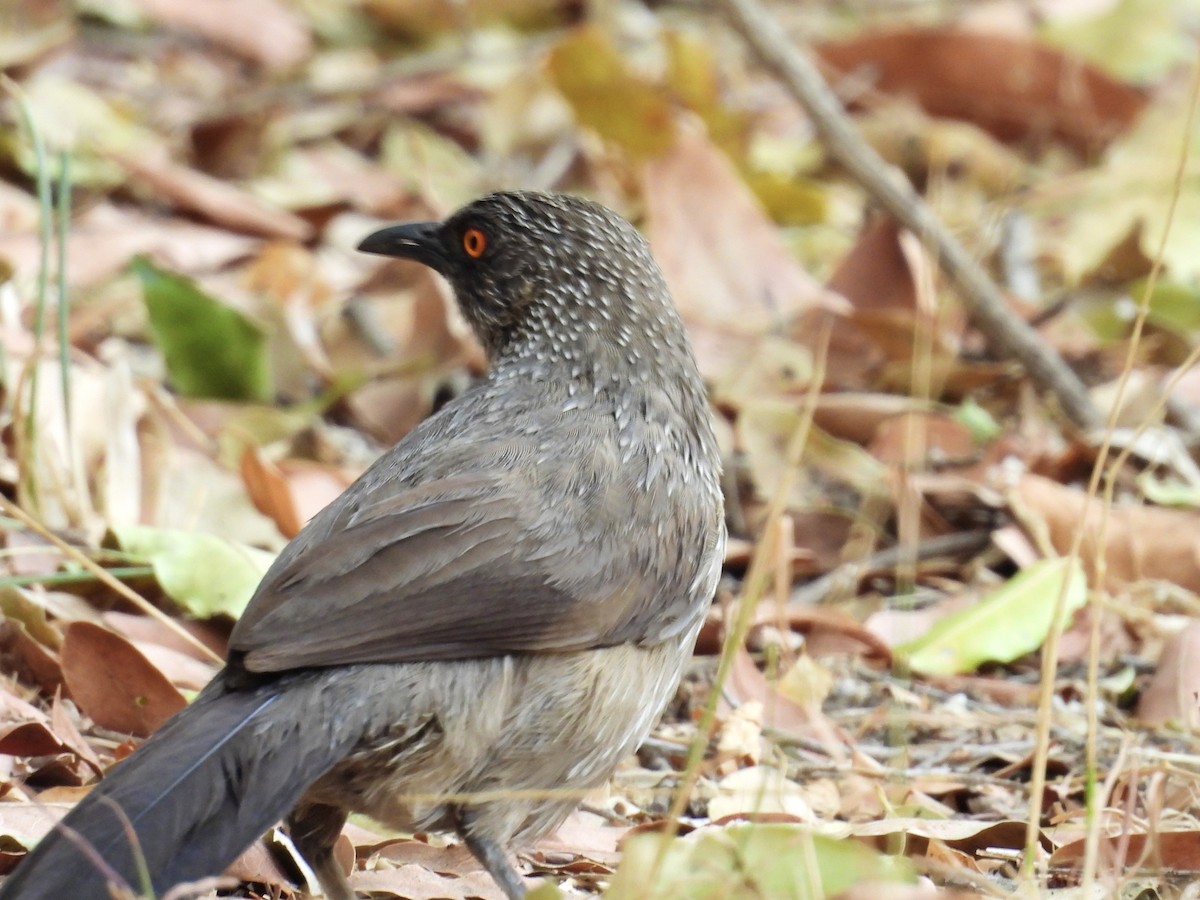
231, 364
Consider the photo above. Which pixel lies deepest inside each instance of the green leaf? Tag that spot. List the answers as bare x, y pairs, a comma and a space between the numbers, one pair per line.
1010, 623
1168, 492
1173, 305
210, 349
979, 421
784, 862
205, 574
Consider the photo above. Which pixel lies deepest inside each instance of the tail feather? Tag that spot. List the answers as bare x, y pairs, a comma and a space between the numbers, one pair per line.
194, 796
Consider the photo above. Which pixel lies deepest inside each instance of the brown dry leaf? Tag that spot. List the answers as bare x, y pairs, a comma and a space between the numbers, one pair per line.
140, 629
28, 637
584, 836
747, 683
1011, 86
890, 316
777, 367
854, 416
876, 273
189, 490
936, 436
729, 270
313, 485
1175, 850
29, 739
962, 834
67, 731
425, 338
1173, 694
292, 491
344, 176
876, 278
268, 491
268, 32
739, 739
31, 608
259, 865
927, 147
18, 211
451, 859
27, 732
765, 430
181, 670
114, 684
105, 238
1140, 542
891, 890
218, 201
32, 659
287, 281
420, 93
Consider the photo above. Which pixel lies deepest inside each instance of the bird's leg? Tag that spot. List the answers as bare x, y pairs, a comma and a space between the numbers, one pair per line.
314, 829
492, 855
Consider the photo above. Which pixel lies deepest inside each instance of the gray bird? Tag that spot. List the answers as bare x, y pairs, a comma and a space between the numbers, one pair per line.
486, 622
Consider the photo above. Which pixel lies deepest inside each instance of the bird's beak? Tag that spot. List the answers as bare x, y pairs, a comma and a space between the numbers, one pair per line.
418, 241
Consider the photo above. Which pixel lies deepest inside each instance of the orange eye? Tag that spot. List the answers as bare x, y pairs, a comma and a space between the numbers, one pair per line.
474, 242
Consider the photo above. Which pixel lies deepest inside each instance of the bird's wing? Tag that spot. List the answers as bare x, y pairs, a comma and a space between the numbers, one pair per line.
450, 569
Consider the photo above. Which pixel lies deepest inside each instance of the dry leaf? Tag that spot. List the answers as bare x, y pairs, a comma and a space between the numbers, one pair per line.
114, 684
1013, 87
729, 271
1139, 542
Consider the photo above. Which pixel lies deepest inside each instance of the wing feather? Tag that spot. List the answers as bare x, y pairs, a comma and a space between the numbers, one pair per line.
448, 570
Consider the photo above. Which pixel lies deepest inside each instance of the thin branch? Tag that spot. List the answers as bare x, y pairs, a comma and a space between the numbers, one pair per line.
105, 578
1007, 333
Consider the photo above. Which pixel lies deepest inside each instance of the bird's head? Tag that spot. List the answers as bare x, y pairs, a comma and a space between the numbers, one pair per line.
535, 264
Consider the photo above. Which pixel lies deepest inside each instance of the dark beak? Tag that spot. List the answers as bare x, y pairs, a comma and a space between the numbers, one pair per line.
418, 241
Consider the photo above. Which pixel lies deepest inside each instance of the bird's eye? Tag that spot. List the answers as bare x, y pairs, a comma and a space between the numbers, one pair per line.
474, 242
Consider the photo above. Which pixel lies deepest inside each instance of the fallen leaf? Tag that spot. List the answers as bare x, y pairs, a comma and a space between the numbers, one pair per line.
1178, 851
205, 574
1012, 621
728, 268
606, 97
1173, 694
757, 790
217, 201
268, 32
761, 860
1139, 542
1012, 86
211, 349
114, 684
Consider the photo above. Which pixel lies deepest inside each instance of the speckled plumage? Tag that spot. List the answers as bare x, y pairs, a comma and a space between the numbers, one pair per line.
495, 613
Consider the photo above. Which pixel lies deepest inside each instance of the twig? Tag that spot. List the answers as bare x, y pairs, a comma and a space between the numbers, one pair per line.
851, 573
105, 578
1004, 330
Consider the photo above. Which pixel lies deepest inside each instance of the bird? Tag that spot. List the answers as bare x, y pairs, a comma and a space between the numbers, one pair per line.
487, 621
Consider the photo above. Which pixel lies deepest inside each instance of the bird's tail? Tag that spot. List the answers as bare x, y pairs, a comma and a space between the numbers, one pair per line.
182, 807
